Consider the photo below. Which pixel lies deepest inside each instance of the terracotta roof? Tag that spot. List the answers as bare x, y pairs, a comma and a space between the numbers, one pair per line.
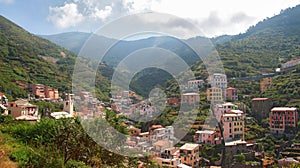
231, 88
162, 143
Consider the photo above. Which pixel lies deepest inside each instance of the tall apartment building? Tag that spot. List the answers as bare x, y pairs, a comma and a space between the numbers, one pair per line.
233, 125
261, 107
282, 118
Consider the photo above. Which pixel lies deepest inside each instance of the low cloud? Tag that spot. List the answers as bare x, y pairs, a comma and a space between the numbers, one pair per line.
214, 24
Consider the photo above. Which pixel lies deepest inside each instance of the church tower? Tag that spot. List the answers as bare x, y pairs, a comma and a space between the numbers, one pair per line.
68, 105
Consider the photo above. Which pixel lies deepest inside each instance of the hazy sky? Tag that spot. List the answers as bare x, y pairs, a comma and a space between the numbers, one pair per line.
213, 17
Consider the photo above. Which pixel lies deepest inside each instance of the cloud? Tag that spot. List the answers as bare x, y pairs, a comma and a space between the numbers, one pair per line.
135, 6
81, 13
213, 17
219, 24
102, 14
65, 16
7, 1
241, 17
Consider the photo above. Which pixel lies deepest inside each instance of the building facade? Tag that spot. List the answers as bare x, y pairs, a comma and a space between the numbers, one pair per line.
218, 80
189, 154
233, 125
215, 94
260, 108
23, 110
283, 118
232, 94
191, 98
195, 83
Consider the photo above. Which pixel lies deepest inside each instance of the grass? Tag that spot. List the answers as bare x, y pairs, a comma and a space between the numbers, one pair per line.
8, 145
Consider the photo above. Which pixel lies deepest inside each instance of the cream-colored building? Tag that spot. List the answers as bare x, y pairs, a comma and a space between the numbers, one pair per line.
233, 125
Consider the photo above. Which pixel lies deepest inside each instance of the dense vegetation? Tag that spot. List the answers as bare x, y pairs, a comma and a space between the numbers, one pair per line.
28, 58
57, 143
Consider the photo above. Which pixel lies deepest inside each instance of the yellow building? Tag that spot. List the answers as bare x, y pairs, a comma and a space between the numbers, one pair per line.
189, 154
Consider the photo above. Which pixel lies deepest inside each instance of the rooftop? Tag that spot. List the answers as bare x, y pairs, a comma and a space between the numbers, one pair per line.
205, 132
284, 109
191, 94
189, 146
62, 114
234, 143
231, 88
258, 99
292, 61
231, 114
163, 143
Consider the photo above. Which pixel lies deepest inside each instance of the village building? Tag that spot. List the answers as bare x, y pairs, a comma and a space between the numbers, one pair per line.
215, 94
283, 118
191, 98
260, 108
22, 110
210, 137
265, 84
194, 84
189, 154
232, 94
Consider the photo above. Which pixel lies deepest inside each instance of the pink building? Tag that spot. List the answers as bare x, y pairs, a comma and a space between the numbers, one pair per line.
232, 94
282, 118
207, 137
191, 98
221, 109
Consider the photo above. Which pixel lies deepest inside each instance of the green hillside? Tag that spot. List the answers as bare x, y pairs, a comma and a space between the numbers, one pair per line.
28, 58
264, 47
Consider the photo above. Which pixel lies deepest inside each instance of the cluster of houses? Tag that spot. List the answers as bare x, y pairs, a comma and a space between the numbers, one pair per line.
159, 142
21, 109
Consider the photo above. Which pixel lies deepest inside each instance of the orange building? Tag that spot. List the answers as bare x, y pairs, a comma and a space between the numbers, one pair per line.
37, 90
189, 154
51, 93
265, 84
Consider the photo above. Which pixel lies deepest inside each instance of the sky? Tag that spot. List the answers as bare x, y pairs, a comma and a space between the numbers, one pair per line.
212, 17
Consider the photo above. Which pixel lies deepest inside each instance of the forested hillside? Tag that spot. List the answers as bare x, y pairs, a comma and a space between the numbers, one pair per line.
28, 58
